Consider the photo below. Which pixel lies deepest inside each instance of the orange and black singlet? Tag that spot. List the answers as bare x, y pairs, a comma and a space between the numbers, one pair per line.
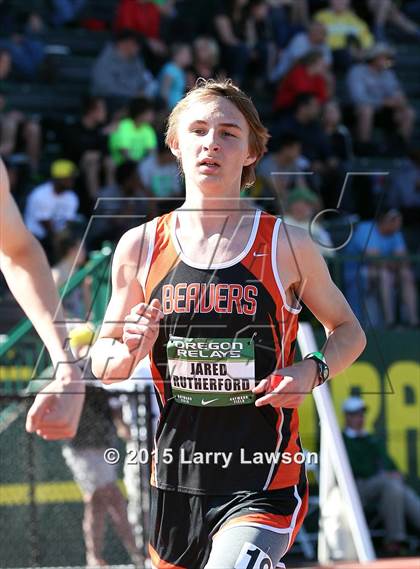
226, 327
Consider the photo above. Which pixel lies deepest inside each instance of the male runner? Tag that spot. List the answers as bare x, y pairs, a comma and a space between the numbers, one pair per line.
211, 292
29, 277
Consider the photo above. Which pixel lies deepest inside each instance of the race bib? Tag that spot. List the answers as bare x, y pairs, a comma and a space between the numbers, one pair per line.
252, 557
211, 372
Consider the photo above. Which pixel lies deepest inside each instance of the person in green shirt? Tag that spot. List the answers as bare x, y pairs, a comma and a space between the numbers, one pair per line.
377, 477
134, 136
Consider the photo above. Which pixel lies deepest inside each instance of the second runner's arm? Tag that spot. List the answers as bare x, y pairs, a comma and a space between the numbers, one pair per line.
28, 275
26, 270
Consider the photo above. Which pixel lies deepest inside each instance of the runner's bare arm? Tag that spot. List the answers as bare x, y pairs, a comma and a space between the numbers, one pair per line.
26, 270
306, 274
28, 275
130, 326
345, 337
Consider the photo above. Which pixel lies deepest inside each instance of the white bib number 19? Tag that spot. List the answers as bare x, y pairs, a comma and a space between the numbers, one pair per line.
252, 557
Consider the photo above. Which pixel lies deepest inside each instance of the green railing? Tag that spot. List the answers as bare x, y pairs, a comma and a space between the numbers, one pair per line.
23, 349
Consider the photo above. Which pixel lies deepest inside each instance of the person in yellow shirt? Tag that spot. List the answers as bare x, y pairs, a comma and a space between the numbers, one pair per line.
347, 34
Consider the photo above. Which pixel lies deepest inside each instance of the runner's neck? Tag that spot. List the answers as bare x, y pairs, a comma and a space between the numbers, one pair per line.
209, 215
225, 221
213, 240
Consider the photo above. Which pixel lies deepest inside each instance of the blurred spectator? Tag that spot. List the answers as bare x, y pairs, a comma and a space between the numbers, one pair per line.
168, 15
287, 18
172, 77
66, 11
412, 9
35, 22
87, 133
134, 136
85, 143
382, 238
17, 174
338, 134
283, 168
347, 34
382, 12
309, 75
8, 17
119, 71
141, 16
377, 477
341, 144
298, 10
314, 39
206, 60
5, 65
160, 176
404, 187
376, 93
15, 128
148, 20
260, 41
70, 256
28, 19
84, 455
166, 6
122, 206
52, 204
328, 171
302, 204
191, 19
26, 51
233, 28
305, 124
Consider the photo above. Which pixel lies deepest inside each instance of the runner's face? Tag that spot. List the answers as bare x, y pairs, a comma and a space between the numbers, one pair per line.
213, 145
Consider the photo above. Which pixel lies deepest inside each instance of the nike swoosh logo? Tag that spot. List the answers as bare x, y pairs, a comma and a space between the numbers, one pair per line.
260, 254
203, 402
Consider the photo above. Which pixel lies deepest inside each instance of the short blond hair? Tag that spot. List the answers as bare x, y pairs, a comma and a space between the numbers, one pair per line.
205, 88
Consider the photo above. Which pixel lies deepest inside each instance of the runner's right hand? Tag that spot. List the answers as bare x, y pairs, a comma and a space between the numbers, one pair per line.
141, 328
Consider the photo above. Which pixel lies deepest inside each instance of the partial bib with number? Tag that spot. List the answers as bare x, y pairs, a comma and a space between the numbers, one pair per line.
212, 372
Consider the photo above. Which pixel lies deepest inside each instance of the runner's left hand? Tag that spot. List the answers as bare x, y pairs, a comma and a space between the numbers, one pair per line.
287, 387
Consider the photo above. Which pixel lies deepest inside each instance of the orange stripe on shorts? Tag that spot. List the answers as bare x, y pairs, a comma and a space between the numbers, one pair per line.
158, 563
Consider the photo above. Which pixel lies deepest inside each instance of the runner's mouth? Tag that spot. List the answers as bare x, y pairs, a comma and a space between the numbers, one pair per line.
210, 163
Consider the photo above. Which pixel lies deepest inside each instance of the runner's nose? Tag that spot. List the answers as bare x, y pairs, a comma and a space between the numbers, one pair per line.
210, 143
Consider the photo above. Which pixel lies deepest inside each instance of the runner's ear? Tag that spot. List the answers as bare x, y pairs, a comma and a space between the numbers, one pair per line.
175, 150
250, 159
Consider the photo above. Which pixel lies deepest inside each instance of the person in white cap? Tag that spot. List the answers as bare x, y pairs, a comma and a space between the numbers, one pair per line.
378, 479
